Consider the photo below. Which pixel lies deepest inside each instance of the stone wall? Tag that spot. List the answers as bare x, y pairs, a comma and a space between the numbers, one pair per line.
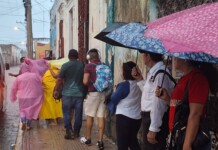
167, 7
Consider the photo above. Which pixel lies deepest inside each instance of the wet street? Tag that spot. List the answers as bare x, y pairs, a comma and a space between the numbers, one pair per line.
9, 120
42, 136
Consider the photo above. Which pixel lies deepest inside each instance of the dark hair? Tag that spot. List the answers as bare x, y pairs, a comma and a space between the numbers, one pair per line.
73, 54
211, 73
93, 50
22, 59
127, 69
93, 53
154, 56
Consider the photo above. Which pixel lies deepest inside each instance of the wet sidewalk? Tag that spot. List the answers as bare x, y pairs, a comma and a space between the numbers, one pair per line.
42, 136
51, 137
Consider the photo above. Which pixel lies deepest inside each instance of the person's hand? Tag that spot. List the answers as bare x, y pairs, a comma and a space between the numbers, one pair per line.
48, 65
151, 137
56, 94
11, 74
136, 73
162, 94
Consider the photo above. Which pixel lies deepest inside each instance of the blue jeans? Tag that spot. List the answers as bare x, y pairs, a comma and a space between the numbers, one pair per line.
28, 122
70, 103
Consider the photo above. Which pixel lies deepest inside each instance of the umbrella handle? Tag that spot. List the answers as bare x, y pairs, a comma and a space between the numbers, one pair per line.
137, 54
165, 71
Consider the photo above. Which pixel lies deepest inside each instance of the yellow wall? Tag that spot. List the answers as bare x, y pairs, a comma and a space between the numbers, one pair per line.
40, 50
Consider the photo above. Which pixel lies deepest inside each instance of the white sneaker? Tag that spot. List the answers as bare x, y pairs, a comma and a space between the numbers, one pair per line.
85, 141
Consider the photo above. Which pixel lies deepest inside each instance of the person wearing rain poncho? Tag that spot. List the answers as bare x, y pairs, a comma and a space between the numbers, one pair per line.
51, 109
27, 88
38, 66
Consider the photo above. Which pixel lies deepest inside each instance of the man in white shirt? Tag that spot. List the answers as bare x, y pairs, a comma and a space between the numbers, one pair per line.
154, 110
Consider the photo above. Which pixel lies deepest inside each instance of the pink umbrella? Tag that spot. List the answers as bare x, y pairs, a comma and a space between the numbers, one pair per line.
191, 30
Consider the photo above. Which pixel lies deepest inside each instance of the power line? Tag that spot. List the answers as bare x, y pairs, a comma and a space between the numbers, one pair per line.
9, 12
41, 5
43, 21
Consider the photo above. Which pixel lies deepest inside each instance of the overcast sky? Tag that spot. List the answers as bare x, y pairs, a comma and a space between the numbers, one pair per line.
12, 23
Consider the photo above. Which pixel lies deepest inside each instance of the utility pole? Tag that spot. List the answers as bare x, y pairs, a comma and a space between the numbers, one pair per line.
28, 14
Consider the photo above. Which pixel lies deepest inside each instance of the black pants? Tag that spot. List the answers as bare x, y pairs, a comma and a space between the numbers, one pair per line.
127, 130
161, 136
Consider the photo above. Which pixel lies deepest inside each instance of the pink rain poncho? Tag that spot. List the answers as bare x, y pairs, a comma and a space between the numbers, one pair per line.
27, 87
38, 66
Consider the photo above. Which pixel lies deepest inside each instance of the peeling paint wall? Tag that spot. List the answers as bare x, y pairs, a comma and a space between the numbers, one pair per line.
123, 11
128, 11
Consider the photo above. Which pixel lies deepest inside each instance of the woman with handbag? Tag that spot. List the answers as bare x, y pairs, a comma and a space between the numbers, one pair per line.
197, 81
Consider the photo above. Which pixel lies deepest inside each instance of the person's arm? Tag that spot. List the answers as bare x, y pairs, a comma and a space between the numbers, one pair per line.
14, 75
121, 92
157, 112
86, 79
14, 89
162, 94
194, 117
59, 83
59, 80
158, 109
137, 75
54, 75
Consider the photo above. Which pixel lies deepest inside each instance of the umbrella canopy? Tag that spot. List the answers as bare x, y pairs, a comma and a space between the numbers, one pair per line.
131, 35
191, 30
199, 56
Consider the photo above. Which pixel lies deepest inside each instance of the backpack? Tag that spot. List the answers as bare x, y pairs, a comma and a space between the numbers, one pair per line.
104, 80
179, 126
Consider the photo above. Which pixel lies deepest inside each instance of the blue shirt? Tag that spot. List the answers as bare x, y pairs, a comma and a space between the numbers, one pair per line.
121, 92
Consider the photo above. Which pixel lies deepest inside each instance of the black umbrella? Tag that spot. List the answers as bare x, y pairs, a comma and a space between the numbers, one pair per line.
102, 35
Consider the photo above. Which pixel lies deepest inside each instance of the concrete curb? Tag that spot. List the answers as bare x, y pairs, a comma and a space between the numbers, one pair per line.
19, 140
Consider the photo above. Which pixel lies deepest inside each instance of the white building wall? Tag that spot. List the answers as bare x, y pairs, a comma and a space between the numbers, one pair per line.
59, 16
97, 22
68, 12
71, 24
14, 50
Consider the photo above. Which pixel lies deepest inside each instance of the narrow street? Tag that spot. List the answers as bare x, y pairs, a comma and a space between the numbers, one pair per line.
42, 136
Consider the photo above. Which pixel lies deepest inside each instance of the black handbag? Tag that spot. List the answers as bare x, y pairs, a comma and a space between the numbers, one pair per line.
57, 92
179, 128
